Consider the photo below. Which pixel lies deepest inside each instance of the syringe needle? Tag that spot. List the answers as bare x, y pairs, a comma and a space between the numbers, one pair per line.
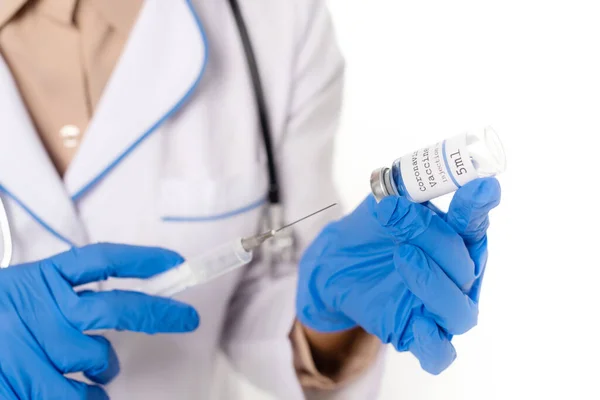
305, 217
252, 242
206, 267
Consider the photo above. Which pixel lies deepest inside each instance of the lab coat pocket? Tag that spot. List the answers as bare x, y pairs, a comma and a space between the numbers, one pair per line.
212, 199
197, 214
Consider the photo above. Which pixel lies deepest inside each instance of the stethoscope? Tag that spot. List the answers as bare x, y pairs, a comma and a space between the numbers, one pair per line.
280, 249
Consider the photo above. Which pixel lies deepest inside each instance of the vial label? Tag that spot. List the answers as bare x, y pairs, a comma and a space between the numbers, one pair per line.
437, 170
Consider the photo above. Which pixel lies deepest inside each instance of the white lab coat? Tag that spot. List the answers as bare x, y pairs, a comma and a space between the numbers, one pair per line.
176, 135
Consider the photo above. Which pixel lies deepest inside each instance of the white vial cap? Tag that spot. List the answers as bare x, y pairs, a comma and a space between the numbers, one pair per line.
487, 152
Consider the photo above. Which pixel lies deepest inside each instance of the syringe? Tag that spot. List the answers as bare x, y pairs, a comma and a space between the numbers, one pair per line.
211, 265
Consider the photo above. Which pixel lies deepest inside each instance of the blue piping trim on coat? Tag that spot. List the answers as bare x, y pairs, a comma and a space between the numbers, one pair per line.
217, 217
36, 218
153, 128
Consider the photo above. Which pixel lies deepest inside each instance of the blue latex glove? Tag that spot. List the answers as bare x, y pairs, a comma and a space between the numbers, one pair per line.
42, 319
402, 272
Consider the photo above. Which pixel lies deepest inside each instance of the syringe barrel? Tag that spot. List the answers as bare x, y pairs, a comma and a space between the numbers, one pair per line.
442, 168
198, 270
219, 261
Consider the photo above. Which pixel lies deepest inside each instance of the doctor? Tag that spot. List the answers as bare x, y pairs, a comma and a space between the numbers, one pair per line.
118, 124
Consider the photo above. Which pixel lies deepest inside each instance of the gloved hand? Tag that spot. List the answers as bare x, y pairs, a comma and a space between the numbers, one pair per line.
42, 319
402, 272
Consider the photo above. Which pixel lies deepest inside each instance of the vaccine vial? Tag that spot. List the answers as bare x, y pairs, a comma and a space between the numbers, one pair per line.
440, 169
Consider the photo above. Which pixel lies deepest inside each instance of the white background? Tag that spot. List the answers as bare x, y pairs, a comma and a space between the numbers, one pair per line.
419, 71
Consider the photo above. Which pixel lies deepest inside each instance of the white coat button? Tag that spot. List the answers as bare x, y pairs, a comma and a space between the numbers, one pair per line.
70, 136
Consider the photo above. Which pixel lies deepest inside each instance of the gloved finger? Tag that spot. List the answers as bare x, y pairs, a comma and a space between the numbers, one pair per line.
402, 218
468, 216
479, 255
104, 366
435, 209
476, 289
469, 208
100, 261
132, 311
450, 307
448, 250
76, 352
41, 380
431, 346
6, 391
412, 223
92, 355
59, 387
80, 390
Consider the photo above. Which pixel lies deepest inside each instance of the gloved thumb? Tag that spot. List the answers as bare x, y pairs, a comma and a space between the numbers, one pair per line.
431, 346
470, 206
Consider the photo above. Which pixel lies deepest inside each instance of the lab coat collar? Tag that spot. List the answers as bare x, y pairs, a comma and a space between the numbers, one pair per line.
27, 174
159, 70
